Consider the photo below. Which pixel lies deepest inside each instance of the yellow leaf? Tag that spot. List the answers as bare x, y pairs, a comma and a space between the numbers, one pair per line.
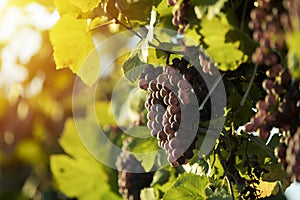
84, 5
103, 112
22, 3
267, 188
74, 48
65, 7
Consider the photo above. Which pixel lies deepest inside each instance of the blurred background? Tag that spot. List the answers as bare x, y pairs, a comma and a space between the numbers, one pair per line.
35, 100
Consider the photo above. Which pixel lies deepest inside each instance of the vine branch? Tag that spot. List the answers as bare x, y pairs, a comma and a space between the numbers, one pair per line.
249, 86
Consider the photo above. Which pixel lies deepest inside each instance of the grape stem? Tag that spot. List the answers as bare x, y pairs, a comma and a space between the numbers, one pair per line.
101, 25
249, 86
129, 28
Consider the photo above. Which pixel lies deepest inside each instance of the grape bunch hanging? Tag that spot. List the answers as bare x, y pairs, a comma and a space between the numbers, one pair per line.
173, 91
180, 14
281, 106
132, 176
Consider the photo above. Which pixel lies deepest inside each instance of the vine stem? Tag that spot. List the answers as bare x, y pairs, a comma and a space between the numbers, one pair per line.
226, 173
249, 86
244, 15
139, 36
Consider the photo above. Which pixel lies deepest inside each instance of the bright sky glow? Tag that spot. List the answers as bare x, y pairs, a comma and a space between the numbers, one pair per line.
20, 33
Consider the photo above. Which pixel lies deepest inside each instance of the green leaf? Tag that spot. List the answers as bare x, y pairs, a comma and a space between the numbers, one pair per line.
216, 165
219, 194
160, 177
140, 132
110, 195
85, 6
165, 16
276, 173
226, 53
74, 48
293, 64
236, 113
293, 40
134, 65
188, 187
78, 174
148, 194
139, 10
143, 145
209, 7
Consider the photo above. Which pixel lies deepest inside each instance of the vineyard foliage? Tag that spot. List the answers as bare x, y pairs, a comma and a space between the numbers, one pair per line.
250, 47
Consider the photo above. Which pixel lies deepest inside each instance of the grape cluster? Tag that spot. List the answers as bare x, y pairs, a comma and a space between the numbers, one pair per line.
180, 14
206, 63
174, 93
130, 183
288, 153
208, 66
268, 31
280, 108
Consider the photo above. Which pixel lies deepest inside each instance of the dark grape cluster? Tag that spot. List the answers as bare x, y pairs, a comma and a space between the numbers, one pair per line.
173, 94
288, 153
268, 31
280, 108
131, 183
206, 63
180, 14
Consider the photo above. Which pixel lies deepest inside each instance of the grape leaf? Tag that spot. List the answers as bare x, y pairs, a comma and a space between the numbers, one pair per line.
165, 16
236, 113
103, 112
22, 3
65, 7
148, 193
188, 186
219, 194
77, 174
160, 177
143, 145
293, 40
85, 6
212, 8
226, 53
267, 188
133, 65
139, 10
74, 48
293, 64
